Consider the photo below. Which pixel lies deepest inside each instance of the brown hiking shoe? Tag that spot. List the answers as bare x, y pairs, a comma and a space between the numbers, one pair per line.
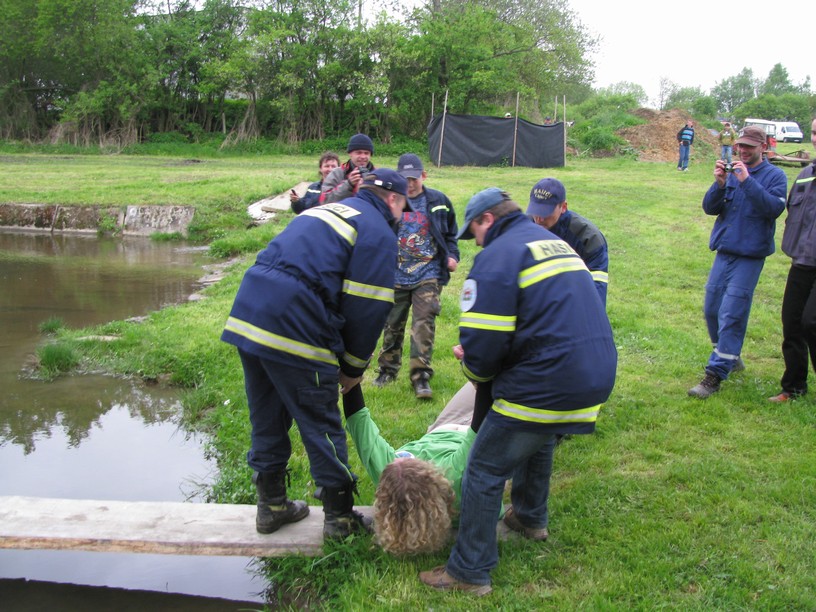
531, 533
438, 578
706, 387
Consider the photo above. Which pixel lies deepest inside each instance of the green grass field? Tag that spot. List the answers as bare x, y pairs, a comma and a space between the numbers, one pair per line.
673, 503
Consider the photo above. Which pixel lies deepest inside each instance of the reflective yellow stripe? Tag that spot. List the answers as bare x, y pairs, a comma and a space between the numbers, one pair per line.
386, 294
600, 277
472, 376
807, 179
550, 268
537, 415
478, 320
346, 231
440, 207
355, 361
279, 343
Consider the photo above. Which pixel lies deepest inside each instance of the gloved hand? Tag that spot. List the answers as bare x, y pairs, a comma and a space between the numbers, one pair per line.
353, 400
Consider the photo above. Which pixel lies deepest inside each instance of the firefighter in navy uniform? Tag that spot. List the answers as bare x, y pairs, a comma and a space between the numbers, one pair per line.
533, 326
306, 321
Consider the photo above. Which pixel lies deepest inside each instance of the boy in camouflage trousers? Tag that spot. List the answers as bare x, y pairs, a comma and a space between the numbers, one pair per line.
428, 253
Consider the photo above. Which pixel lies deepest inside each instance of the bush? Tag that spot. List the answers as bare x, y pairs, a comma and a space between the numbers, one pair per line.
55, 359
51, 325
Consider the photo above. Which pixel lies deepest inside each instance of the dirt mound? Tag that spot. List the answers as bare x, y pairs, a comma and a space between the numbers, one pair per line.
656, 140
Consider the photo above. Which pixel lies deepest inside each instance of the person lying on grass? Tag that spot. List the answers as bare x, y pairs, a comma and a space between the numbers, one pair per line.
418, 484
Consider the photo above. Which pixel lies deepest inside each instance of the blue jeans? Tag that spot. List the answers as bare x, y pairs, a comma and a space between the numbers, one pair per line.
728, 297
497, 454
725, 153
278, 394
684, 156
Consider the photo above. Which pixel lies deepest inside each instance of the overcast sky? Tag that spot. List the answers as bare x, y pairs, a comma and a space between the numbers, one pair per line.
694, 47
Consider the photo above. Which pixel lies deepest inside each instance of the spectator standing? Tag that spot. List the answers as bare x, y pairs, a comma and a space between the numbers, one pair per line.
548, 208
726, 137
747, 202
533, 327
328, 162
428, 253
305, 322
344, 181
686, 138
799, 302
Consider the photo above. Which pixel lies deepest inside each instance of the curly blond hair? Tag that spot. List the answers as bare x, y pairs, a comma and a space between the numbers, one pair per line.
413, 508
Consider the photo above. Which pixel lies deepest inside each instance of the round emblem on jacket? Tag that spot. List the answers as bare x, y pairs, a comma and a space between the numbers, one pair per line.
468, 296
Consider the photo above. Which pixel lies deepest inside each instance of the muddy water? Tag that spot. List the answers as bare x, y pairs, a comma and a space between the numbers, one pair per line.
99, 437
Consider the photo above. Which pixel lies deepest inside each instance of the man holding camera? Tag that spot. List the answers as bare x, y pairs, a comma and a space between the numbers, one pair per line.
343, 182
747, 197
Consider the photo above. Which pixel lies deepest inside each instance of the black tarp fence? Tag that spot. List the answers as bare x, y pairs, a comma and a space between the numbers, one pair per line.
478, 140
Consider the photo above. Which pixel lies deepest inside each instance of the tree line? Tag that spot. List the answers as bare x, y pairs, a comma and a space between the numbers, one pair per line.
119, 71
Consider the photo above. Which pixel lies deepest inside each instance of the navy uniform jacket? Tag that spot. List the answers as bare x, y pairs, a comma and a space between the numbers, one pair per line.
799, 239
443, 228
310, 199
588, 241
320, 292
533, 323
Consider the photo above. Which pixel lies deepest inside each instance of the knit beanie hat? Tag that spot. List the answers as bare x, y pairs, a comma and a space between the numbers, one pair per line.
360, 142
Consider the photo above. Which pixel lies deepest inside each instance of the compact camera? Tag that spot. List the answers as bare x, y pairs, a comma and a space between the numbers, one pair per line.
728, 167
363, 170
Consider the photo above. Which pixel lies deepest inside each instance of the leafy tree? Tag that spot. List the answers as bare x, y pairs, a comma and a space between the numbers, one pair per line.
777, 83
704, 107
787, 107
734, 91
683, 98
626, 88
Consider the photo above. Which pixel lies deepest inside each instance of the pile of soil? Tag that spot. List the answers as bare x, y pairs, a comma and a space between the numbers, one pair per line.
656, 140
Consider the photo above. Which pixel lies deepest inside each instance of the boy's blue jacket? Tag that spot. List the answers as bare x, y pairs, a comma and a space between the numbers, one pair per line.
320, 292
533, 323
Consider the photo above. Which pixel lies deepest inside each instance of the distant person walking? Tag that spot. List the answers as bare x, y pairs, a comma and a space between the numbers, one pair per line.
686, 138
747, 202
799, 303
726, 138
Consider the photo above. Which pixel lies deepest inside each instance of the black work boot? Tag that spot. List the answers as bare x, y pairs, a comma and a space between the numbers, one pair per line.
340, 518
274, 509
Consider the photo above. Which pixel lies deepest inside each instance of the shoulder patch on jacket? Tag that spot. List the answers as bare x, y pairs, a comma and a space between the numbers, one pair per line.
468, 296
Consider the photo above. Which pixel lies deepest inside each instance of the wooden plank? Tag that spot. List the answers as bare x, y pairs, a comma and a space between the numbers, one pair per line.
173, 528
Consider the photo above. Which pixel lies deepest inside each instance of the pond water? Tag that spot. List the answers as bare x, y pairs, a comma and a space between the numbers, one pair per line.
100, 437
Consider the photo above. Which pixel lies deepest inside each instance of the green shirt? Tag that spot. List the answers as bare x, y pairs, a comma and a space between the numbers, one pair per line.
447, 449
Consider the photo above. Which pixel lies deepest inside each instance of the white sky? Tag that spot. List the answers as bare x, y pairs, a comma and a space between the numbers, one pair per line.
697, 43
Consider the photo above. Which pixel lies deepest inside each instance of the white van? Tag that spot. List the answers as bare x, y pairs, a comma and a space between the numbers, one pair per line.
788, 131
768, 126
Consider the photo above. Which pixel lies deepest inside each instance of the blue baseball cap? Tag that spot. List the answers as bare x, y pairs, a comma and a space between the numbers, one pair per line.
545, 196
478, 204
410, 166
387, 179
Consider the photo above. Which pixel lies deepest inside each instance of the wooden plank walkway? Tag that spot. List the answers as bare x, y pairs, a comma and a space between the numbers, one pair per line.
174, 528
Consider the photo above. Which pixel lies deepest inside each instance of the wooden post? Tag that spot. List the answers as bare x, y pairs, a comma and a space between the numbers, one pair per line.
442, 132
564, 108
515, 131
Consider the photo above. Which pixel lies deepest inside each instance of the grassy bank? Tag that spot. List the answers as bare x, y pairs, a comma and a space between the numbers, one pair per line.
673, 503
